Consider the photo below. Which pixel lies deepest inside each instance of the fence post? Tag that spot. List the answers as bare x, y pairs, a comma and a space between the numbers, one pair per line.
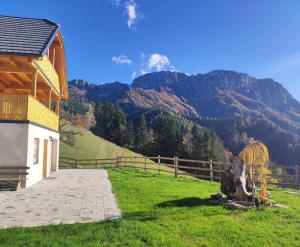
176, 166
158, 164
297, 176
145, 163
117, 161
77, 163
211, 174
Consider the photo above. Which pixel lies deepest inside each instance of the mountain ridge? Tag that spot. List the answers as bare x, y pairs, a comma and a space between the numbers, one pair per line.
219, 93
234, 105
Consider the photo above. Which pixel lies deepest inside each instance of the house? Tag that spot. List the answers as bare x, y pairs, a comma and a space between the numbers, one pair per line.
32, 84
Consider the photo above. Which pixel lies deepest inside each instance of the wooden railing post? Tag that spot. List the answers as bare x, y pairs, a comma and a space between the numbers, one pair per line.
175, 166
77, 163
117, 161
158, 161
211, 174
297, 176
145, 163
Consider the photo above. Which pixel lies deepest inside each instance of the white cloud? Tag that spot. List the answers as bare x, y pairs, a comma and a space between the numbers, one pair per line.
131, 11
133, 76
132, 16
155, 62
122, 59
158, 62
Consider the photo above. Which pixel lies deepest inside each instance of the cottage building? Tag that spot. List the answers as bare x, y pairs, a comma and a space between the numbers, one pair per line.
32, 84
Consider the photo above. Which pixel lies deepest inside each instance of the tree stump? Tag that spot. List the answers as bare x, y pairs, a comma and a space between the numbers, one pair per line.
235, 185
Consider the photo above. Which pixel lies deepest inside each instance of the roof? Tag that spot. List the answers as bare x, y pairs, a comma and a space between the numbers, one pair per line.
26, 36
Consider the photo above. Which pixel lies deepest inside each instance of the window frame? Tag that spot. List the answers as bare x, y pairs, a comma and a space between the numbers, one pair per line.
36, 150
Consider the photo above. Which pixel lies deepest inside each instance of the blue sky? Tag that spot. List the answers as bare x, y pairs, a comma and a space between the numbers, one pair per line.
116, 40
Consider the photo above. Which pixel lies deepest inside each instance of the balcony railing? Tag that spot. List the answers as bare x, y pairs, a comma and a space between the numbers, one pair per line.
25, 107
48, 71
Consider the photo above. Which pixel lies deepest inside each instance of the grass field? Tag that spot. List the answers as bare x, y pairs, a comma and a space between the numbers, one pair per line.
160, 210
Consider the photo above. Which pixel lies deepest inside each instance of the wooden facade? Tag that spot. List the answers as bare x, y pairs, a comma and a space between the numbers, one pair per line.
31, 87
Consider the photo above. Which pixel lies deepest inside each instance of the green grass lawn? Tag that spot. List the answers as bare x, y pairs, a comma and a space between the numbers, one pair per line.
160, 210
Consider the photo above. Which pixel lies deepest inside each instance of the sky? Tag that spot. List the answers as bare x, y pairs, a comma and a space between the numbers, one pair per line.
118, 40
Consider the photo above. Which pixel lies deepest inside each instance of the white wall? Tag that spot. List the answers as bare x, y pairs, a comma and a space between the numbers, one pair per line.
16, 149
36, 170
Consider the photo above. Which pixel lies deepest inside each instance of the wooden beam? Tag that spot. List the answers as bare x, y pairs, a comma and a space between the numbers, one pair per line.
57, 108
14, 79
28, 76
49, 99
4, 81
34, 84
18, 78
7, 58
12, 69
27, 86
2, 87
53, 59
43, 95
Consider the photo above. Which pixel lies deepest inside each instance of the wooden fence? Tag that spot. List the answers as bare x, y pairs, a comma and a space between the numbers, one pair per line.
283, 176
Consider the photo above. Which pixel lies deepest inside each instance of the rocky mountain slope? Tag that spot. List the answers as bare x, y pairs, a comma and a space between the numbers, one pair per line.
218, 94
226, 94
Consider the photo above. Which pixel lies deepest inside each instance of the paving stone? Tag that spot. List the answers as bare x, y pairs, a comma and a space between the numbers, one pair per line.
66, 197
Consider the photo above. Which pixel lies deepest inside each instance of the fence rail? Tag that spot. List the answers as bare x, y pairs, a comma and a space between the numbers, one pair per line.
282, 176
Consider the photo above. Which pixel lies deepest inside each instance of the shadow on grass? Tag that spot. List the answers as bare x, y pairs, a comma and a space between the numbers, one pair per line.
141, 216
138, 172
185, 202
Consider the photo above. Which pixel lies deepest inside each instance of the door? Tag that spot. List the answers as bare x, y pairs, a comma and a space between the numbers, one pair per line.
45, 158
54, 156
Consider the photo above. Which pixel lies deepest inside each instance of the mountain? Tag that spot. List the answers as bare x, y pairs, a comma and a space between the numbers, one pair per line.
235, 105
138, 98
227, 94
220, 94
109, 92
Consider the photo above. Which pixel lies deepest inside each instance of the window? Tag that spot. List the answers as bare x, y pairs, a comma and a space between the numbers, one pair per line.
36, 150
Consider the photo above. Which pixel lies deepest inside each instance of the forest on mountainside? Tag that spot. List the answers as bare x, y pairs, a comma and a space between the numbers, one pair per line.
138, 128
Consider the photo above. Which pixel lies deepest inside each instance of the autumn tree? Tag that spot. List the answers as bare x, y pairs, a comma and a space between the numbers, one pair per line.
256, 157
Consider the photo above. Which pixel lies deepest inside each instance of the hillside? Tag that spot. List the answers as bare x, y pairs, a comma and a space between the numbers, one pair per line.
88, 146
139, 98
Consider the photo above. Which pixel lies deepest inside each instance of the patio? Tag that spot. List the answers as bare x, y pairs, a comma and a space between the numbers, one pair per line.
66, 197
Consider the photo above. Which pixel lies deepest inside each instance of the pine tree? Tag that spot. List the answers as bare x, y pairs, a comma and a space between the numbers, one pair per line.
168, 137
119, 127
200, 144
131, 135
141, 139
111, 123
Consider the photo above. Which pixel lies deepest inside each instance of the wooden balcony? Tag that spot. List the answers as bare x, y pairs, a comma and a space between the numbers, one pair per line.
25, 107
48, 72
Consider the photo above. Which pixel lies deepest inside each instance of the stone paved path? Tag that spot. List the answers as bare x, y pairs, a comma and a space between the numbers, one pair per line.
66, 197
